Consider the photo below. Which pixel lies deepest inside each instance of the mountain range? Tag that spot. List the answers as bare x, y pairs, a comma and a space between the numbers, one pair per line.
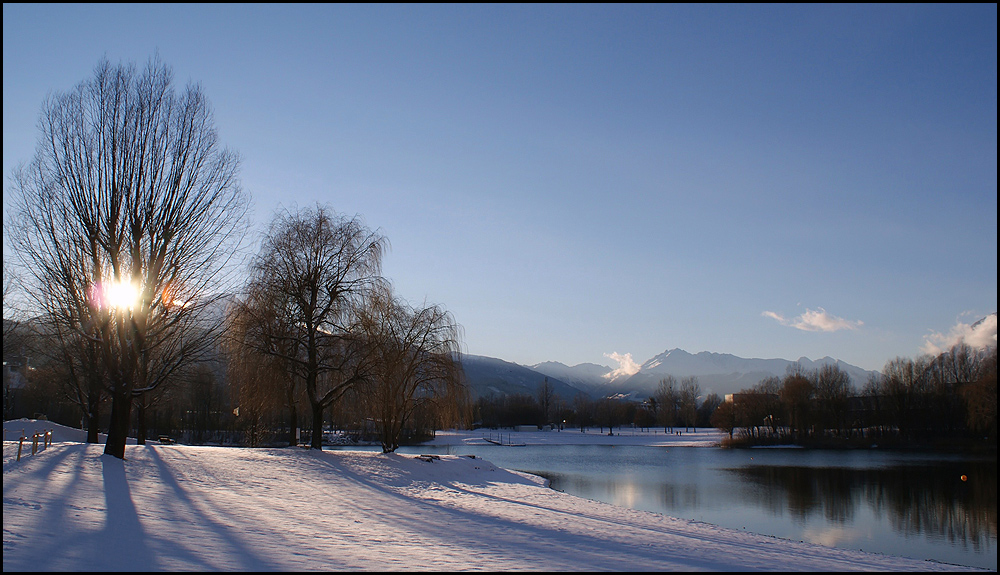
718, 373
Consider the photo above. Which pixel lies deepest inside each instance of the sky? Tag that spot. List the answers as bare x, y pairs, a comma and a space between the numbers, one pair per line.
579, 183
194, 508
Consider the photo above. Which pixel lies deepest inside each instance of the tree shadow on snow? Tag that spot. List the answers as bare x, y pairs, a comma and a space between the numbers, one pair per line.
131, 550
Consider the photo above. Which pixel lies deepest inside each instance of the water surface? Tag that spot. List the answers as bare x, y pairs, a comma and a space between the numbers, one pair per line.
914, 505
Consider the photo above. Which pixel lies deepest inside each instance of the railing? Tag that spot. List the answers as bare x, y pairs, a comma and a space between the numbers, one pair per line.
45, 437
499, 440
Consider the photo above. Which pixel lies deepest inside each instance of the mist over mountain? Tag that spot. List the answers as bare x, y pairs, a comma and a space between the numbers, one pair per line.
719, 373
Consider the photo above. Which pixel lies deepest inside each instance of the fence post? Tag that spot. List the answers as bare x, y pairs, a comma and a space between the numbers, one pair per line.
34, 443
20, 442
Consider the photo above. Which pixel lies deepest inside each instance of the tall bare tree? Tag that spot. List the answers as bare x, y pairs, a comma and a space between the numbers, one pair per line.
313, 269
125, 219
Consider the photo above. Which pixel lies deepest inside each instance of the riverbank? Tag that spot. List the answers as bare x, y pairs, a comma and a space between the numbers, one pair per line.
177, 507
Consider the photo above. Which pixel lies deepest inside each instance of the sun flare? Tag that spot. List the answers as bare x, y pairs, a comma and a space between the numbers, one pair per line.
120, 295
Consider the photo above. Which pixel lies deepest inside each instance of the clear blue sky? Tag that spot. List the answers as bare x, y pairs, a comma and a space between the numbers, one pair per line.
573, 181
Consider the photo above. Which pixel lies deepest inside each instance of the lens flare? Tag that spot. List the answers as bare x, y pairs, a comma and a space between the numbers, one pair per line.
118, 295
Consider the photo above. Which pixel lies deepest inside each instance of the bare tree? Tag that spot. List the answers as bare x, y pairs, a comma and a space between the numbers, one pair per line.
546, 396
416, 362
307, 281
796, 394
904, 384
13, 341
981, 396
707, 408
125, 220
833, 391
9, 315
79, 357
262, 334
668, 401
690, 390
724, 418
258, 382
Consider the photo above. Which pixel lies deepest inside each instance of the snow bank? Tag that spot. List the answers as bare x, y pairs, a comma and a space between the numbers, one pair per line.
70, 508
14, 428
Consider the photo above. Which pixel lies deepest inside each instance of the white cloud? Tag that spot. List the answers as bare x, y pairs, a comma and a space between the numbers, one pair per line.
977, 336
815, 320
626, 365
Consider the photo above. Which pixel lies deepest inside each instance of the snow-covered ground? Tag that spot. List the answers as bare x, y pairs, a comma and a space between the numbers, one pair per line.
174, 507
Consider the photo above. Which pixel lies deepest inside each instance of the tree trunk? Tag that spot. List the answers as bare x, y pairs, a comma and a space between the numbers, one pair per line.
93, 418
293, 422
140, 419
317, 433
94, 392
121, 414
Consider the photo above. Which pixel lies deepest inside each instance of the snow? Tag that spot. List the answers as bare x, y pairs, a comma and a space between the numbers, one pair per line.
177, 507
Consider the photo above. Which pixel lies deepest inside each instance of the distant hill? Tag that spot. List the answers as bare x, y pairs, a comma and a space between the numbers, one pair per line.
588, 377
490, 376
719, 373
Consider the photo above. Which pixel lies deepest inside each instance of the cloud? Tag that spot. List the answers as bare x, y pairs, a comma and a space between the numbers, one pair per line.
818, 320
626, 366
978, 335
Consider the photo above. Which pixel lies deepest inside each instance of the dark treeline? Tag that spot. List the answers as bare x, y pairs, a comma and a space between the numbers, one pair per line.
213, 402
947, 400
670, 407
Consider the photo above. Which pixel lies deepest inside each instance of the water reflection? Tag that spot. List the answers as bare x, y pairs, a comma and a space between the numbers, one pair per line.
900, 503
926, 499
625, 490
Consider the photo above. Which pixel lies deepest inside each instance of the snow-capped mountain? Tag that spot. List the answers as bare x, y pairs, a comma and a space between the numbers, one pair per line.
719, 373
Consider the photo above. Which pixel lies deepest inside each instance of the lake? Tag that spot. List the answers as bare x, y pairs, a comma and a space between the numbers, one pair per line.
928, 506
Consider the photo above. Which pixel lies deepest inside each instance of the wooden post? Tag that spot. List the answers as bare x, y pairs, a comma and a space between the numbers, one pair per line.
20, 442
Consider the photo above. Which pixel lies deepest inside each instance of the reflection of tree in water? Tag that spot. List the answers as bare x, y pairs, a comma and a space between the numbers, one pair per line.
916, 499
934, 500
678, 497
803, 491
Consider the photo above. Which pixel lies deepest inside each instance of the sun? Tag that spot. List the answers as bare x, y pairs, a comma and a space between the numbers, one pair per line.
120, 295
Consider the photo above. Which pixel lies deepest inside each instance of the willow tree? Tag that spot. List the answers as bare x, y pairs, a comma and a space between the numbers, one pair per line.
313, 269
416, 364
124, 221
